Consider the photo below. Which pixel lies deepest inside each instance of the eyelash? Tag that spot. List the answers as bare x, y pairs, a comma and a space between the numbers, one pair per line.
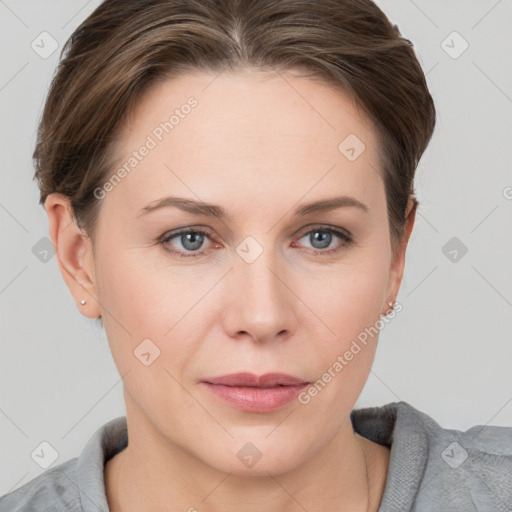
346, 240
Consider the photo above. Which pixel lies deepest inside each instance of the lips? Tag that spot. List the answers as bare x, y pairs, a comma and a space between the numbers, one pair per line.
269, 380
253, 393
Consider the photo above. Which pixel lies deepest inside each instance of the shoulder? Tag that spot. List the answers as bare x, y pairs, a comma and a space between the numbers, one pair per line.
76, 485
54, 490
436, 468
468, 470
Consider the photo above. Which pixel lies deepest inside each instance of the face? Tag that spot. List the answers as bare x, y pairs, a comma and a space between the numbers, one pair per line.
257, 284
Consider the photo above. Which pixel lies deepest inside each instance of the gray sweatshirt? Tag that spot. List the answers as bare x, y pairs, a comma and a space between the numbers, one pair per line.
431, 469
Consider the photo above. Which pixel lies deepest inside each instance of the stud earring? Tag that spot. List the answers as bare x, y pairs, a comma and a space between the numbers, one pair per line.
392, 306
83, 302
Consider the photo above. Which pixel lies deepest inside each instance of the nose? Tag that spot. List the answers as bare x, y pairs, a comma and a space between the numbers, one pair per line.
260, 304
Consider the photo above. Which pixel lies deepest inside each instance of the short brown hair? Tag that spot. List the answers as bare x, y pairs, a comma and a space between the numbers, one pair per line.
125, 46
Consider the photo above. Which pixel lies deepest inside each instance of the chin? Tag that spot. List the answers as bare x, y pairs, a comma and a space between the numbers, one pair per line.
257, 458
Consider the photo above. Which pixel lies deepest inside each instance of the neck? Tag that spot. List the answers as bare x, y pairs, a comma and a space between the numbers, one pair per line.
152, 474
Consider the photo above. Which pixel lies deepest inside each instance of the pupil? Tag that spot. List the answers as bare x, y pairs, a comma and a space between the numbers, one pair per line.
193, 238
325, 238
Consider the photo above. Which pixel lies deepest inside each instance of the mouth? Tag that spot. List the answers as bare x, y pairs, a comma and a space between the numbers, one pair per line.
253, 393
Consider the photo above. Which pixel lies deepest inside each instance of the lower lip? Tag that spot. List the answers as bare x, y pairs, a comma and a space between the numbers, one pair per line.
254, 399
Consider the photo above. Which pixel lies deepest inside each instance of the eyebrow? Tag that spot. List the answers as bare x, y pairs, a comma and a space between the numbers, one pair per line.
210, 210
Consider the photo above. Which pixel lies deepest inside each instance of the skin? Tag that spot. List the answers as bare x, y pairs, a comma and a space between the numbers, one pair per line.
259, 145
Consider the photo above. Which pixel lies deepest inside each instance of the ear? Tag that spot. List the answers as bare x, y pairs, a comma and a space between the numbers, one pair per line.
398, 263
74, 253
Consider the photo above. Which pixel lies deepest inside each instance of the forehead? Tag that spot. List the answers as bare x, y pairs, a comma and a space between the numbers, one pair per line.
245, 134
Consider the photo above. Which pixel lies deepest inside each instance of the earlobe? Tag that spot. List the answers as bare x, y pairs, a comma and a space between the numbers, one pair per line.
410, 216
398, 264
74, 253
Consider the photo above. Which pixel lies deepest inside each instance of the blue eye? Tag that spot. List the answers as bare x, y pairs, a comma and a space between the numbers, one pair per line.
325, 239
192, 240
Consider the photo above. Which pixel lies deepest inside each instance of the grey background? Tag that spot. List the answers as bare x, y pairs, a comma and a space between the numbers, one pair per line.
447, 353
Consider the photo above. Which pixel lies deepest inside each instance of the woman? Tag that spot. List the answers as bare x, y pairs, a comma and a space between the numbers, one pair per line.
229, 187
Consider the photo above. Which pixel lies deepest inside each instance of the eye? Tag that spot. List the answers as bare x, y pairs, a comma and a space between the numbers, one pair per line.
321, 238
192, 240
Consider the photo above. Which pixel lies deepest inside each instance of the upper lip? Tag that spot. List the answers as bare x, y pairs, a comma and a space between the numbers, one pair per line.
267, 380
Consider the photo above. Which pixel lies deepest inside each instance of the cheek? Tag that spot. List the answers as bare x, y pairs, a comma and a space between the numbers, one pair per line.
148, 329
145, 298
347, 308
130, 295
351, 299
140, 302
140, 292
343, 358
